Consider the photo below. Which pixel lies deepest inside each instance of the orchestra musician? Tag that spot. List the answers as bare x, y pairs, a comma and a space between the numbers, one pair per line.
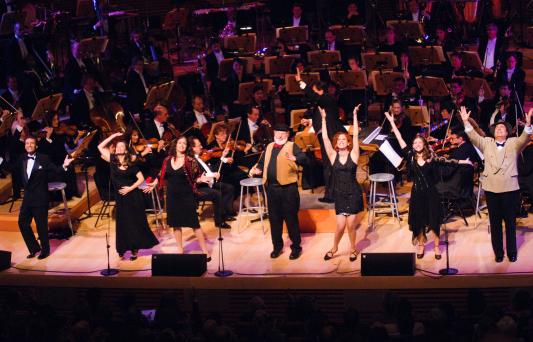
160, 131
85, 101
137, 87
198, 121
75, 68
220, 193
500, 181
317, 94
415, 13
491, 49
20, 97
140, 48
353, 16
424, 205
344, 157
18, 50
34, 170
514, 76
279, 169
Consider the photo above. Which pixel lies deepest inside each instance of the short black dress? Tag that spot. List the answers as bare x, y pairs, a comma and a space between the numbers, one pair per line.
132, 229
181, 203
347, 192
425, 209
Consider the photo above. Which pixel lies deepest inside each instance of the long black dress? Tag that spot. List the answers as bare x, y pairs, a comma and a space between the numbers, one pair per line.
181, 203
133, 232
425, 209
347, 192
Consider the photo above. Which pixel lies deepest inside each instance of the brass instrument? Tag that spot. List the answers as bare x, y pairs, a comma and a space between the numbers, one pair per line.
109, 117
7, 123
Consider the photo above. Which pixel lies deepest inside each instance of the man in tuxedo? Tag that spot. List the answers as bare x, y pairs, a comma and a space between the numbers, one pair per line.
499, 179
156, 128
75, 68
35, 170
137, 86
141, 49
491, 49
297, 18
317, 94
415, 13
18, 50
220, 193
197, 121
84, 101
18, 97
513, 75
213, 60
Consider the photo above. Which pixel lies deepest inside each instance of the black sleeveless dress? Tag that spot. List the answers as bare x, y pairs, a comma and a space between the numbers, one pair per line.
347, 192
132, 229
181, 203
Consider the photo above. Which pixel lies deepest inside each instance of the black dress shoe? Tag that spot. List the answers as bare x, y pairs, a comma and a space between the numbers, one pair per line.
230, 218
224, 225
512, 258
31, 255
275, 253
43, 256
295, 254
208, 259
326, 200
498, 258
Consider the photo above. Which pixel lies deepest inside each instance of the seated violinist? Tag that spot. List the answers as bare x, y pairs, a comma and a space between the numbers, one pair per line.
222, 150
220, 193
197, 122
159, 131
255, 133
140, 150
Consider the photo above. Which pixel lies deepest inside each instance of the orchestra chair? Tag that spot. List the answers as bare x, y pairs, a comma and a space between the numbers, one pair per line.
373, 209
458, 191
60, 186
261, 207
156, 209
480, 207
107, 196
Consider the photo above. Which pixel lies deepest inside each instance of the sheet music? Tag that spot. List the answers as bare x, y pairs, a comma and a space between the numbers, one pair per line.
390, 153
372, 135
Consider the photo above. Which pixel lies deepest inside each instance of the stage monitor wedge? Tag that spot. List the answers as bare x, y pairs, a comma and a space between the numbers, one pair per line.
179, 265
5, 260
388, 264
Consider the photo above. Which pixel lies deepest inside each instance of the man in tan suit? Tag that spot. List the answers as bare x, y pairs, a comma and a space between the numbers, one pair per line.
280, 176
500, 179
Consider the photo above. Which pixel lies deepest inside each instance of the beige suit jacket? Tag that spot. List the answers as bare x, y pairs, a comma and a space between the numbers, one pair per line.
501, 172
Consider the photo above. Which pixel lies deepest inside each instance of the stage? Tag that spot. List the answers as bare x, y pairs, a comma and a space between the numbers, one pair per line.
77, 262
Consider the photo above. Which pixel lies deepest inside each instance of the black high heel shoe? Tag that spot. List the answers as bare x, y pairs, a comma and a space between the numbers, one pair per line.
420, 256
438, 256
329, 255
353, 255
133, 255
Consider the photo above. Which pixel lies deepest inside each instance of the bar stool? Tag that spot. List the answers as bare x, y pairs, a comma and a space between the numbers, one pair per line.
248, 183
478, 206
60, 186
156, 209
372, 208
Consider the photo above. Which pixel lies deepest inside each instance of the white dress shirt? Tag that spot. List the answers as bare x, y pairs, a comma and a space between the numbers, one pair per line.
204, 166
14, 94
509, 73
219, 56
142, 80
200, 118
22, 47
29, 165
160, 128
331, 46
296, 21
253, 127
490, 53
90, 99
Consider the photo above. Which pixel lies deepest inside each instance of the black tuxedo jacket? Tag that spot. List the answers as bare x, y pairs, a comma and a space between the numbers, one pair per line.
499, 50
73, 74
80, 113
517, 81
212, 66
36, 187
151, 131
13, 56
330, 105
26, 101
135, 91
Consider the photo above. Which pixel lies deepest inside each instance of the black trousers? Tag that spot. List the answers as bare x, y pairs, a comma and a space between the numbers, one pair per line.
283, 206
219, 192
328, 174
502, 207
40, 214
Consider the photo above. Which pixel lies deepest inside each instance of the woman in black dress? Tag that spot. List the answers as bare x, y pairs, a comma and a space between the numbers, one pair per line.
180, 173
425, 209
346, 191
133, 232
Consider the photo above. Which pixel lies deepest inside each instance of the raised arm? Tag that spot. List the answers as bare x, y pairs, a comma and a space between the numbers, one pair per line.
330, 151
476, 139
103, 149
395, 130
355, 148
528, 130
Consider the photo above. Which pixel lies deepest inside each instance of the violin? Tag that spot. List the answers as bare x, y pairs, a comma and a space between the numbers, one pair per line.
143, 144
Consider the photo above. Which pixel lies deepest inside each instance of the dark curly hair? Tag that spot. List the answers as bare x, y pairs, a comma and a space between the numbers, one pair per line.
173, 146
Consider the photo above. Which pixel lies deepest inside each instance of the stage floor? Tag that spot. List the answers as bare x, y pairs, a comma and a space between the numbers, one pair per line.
77, 262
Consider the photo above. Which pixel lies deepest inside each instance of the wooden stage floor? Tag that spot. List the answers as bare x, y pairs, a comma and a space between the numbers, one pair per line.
76, 262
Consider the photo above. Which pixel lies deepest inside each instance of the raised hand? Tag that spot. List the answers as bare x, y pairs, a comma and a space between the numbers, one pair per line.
355, 110
322, 113
298, 77
464, 114
68, 160
528, 116
389, 117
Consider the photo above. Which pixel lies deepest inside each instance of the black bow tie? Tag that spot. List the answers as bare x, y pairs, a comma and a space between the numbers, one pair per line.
500, 144
31, 157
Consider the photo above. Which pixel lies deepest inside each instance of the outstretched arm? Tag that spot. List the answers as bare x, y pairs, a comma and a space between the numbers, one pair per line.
395, 130
103, 149
330, 151
474, 137
355, 148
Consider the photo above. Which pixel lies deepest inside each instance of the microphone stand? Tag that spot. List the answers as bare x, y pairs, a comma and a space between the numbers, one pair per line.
448, 270
108, 271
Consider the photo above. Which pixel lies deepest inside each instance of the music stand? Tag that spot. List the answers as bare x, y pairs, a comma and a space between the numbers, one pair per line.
349, 35
279, 65
293, 87
432, 86
230, 123
424, 55
320, 59
296, 116
353, 80
245, 43
470, 59
46, 105
379, 60
407, 28
8, 21
157, 94
293, 35
383, 82
246, 90
471, 86
419, 115
93, 47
